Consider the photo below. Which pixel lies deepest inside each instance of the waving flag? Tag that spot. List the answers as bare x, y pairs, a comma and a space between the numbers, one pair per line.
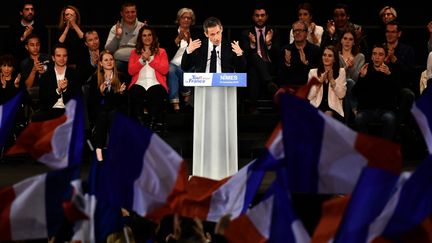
7, 117
372, 192
32, 208
383, 207
422, 112
331, 217
103, 218
210, 199
325, 156
58, 142
141, 172
271, 220
410, 204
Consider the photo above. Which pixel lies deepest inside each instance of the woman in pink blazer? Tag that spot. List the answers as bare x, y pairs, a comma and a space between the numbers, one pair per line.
148, 66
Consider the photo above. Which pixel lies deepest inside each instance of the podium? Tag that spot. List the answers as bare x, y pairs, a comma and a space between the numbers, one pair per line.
215, 151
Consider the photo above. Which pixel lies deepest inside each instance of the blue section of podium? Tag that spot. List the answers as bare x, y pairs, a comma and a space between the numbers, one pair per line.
215, 79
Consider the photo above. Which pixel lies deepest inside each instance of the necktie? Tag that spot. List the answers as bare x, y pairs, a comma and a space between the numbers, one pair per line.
262, 46
213, 59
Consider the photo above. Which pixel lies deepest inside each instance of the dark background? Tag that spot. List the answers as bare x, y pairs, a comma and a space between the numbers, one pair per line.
161, 14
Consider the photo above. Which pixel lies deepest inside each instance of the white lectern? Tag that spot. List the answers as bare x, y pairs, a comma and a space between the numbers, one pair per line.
215, 152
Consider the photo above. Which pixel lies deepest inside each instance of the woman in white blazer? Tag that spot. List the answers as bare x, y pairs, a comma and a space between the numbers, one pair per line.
328, 93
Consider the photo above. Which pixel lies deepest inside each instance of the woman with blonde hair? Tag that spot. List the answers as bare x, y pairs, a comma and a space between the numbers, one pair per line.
388, 14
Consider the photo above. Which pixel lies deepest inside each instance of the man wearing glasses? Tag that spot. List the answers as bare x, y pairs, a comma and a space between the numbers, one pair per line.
299, 57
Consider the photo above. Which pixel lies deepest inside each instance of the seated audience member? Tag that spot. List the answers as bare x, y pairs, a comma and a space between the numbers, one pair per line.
261, 45
351, 59
107, 95
328, 93
32, 68
122, 37
148, 66
57, 85
376, 91
299, 57
177, 92
10, 80
315, 32
403, 57
387, 14
9, 87
339, 24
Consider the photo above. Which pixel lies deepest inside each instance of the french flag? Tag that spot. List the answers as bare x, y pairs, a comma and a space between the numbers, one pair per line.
141, 171
422, 112
32, 208
58, 142
323, 155
103, 218
271, 220
382, 208
372, 192
209, 199
409, 206
331, 217
8, 111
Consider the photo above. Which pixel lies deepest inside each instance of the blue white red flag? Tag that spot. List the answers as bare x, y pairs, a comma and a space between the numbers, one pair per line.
58, 142
32, 208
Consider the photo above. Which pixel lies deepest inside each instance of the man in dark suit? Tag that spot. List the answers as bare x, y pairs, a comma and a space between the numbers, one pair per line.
262, 48
86, 68
20, 31
57, 85
215, 108
230, 56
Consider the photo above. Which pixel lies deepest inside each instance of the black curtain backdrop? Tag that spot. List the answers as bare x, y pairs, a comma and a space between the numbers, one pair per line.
282, 13
98, 12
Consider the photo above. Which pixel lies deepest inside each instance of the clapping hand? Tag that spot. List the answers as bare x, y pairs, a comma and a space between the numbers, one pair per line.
384, 68
17, 80
62, 85
118, 30
269, 37
27, 32
363, 70
145, 55
331, 27
122, 88
252, 38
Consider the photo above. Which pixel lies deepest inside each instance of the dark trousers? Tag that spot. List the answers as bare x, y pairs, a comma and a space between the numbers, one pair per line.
153, 99
388, 118
259, 77
102, 126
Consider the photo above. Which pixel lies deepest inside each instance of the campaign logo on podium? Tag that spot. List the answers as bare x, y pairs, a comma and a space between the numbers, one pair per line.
215, 79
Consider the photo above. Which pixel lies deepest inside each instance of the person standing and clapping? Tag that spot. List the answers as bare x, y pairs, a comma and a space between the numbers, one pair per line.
107, 95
